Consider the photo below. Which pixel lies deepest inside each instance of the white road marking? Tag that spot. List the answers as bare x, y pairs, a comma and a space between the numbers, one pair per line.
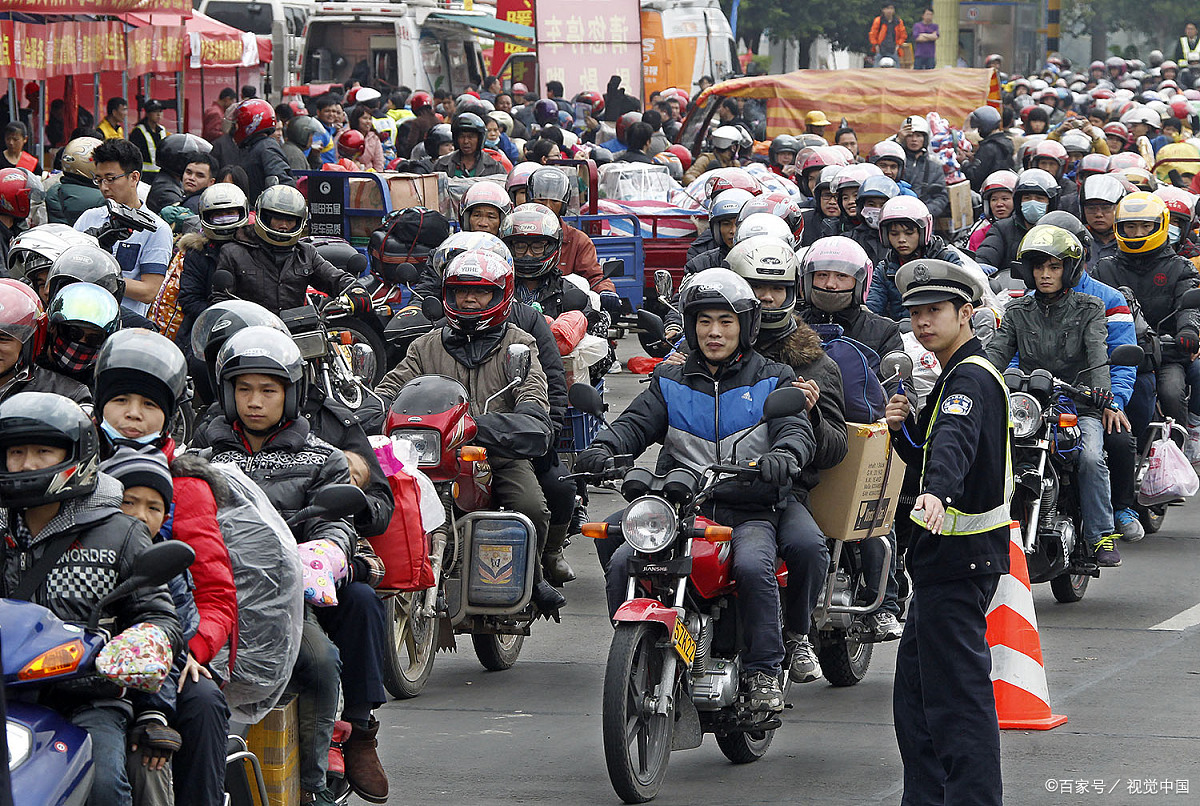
1180, 621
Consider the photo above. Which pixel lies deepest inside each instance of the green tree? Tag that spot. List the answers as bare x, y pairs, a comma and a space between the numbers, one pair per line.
1161, 21
806, 20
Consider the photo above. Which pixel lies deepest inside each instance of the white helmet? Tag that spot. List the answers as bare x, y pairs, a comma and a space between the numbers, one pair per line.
1077, 141
724, 137
757, 224
1142, 114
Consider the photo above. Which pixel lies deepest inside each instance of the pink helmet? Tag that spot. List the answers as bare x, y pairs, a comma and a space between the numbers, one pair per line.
854, 175
998, 180
1126, 159
909, 210
842, 255
484, 193
888, 149
518, 176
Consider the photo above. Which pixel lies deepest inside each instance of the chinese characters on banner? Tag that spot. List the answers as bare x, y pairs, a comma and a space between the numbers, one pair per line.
180, 7
156, 49
30, 52
583, 42
519, 12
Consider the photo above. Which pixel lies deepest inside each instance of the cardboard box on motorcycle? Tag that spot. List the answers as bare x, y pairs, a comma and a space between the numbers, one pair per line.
858, 497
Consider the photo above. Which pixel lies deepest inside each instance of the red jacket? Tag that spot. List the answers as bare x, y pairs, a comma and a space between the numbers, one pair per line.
195, 523
578, 256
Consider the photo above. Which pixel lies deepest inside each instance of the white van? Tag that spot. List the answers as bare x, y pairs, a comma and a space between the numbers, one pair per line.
421, 44
282, 20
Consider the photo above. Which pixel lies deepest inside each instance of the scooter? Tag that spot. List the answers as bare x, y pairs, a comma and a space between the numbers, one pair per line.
49, 758
674, 671
482, 557
1045, 500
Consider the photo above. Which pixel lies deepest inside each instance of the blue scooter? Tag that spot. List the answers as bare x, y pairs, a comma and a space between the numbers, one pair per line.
50, 759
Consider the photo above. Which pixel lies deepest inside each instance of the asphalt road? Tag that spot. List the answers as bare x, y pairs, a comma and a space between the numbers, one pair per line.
1123, 665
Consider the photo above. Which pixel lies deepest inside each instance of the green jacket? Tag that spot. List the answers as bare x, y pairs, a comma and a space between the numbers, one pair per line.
67, 200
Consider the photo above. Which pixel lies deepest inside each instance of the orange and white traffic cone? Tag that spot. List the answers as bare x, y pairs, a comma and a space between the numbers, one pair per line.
1018, 674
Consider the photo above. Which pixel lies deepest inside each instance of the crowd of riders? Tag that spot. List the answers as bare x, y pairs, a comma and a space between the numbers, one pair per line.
1086, 181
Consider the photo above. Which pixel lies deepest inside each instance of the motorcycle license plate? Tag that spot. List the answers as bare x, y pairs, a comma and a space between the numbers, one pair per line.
684, 643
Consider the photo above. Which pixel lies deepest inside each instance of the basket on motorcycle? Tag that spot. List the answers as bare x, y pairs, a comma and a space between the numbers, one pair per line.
858, 497
581, 428
495, 576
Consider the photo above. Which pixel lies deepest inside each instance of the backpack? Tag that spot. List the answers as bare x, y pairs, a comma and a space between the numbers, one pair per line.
270, 592
165, 312
859, 364
405, 236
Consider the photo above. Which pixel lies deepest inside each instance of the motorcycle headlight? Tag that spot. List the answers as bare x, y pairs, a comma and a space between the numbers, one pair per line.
424, 442
649, 524
20, 744
1026, 414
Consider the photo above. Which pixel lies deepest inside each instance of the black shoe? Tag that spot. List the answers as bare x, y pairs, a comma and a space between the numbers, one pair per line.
547, 599
578, 517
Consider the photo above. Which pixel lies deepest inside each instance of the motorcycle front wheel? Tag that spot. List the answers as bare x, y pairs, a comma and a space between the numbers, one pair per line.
637, 741
411, 646
1069, 588
843, 657
497, 652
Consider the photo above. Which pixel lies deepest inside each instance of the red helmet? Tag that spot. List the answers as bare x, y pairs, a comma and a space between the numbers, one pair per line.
1180, 108
478, 269
684, 155
14, 192
998, 180
724, 179
593, 99
1116, 129
252, 117
420, 100
1050, 149
625, 121
22, 318
351, 144
1180, 203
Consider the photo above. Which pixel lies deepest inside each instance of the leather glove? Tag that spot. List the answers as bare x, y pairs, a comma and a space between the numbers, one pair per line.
356, 300
109, 236
778, 467
1102, 398
593, 460
610, 301
1188, 341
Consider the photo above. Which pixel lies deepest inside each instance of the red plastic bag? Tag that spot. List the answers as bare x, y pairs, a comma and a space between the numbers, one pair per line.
569, 328
404, 548
642, 364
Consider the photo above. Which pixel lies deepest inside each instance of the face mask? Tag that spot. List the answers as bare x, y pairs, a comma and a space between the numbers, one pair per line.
831, 301
492, 143
1032, 210
119, 438
871, 216
1173, 233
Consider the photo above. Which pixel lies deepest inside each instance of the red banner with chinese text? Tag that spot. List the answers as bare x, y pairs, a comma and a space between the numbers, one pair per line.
155, 49
31, 52
518, 11
113, 7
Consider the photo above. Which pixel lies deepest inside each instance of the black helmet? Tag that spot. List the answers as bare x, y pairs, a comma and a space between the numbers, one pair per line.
301, 129
724, 290
145, 362
985, 120
549, 183
1061, 218
438, 136
468, 122
784, 142
42, 418
218, 322
1035, 181
545, 111
177, 150
263, 351
85, 263
1048, 240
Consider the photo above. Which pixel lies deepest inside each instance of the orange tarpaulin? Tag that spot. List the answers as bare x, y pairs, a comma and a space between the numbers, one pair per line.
873, 101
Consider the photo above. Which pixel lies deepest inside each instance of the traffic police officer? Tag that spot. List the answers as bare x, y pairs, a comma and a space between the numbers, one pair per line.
944, 709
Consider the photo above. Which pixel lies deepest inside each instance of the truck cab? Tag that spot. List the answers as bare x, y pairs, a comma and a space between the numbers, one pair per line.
417, 44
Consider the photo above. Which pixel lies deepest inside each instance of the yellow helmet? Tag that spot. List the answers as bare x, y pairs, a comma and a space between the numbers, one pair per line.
1141, 207
77, 157
1167, 156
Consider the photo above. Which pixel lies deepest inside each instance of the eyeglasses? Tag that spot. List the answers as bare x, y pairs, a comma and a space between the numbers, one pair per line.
88, 337
537, 248
101, 181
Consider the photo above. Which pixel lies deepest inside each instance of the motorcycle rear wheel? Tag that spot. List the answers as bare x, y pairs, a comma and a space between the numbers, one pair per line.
637, 741
497, 653
411, 646
844, 659
1069, 588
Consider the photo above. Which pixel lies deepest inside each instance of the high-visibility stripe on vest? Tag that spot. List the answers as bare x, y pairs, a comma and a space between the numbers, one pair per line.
964, 523
150, 166
1187, 49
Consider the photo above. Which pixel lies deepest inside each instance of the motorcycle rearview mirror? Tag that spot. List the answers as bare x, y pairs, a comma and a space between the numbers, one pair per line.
663, 284
613, 268
898, 366
586, 398
357, 265
155, 566
784, 402
517, 362
652, 324
1126, 355
433, 309
222, 281
407, 273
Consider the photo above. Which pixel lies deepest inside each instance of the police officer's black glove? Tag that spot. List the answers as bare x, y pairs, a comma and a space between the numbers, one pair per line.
593, 460
610, 301
1188, 341
778, 467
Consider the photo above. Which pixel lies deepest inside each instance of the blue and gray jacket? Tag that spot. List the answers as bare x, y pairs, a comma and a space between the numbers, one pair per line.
697, 417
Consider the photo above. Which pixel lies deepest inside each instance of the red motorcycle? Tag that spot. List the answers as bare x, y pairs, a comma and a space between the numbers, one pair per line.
482, 557
674, 671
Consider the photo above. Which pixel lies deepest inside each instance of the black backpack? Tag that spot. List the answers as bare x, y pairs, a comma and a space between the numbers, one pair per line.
405, 236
